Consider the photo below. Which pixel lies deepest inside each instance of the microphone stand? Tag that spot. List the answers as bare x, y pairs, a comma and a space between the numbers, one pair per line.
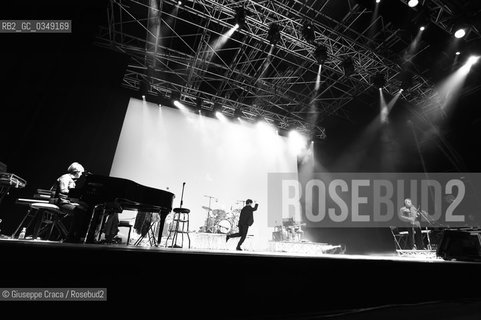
182, 196
430, 223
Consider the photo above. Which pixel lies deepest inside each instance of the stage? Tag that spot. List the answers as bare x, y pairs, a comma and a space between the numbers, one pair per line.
192, 283
217, 241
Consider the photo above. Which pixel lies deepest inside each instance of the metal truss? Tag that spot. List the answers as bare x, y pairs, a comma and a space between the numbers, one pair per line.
444, 15
448, 16
171, 51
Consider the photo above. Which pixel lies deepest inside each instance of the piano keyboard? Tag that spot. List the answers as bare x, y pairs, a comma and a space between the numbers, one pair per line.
24, 201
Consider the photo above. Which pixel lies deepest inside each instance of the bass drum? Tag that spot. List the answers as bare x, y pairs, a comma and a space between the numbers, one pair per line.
224, 226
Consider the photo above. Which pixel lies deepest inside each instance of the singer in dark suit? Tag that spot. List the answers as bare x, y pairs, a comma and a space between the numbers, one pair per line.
246, 219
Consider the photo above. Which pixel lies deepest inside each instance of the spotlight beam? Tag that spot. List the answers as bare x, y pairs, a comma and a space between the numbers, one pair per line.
372, 26
318, 79
219, 43
393, 101
383, 109
449, 89
173, 16
154, 35
409, 54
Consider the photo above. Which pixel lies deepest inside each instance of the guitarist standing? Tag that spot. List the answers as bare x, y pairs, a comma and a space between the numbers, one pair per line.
409, 214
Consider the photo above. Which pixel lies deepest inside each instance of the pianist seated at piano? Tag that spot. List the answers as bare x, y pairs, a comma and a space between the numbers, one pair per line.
71, 206
81, 211
107, 196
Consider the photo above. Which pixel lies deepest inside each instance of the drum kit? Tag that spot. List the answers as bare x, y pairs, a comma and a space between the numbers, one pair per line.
221, 221
290, 230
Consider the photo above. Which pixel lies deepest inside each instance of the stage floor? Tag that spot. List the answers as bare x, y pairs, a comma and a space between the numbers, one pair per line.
215, 244
229, 284
324, 251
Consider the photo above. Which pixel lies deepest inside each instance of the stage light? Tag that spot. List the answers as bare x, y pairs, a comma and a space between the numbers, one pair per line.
308, 32
377, 1
220, 116
460, 33
215, 107
274, 34
297, 142
320, 54
179, 3
348, 66
175, 95
472, 60
422, 28
458, 53
144, 87
238, 113
259, 119
240, 16
413, 3
379, 80
180, 106
198, 103
407, 81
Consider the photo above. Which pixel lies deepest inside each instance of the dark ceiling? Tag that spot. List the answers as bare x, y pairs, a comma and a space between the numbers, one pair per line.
284, 93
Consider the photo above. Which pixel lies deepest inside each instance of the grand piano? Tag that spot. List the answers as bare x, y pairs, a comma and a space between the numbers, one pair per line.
97, 190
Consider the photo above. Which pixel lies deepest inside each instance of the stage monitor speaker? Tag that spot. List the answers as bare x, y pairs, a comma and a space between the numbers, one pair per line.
460, 244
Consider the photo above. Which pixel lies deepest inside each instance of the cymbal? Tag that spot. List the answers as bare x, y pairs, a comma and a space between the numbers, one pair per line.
206, 208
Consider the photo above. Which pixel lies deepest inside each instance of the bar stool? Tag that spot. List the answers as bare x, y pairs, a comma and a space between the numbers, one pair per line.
180, 225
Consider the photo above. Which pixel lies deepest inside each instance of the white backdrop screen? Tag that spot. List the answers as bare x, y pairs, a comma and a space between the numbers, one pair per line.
163, 147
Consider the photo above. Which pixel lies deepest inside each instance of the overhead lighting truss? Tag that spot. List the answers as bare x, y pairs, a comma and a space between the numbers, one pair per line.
240, 75
442, 15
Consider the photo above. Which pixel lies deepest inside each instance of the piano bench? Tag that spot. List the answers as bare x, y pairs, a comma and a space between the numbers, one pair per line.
45, 215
